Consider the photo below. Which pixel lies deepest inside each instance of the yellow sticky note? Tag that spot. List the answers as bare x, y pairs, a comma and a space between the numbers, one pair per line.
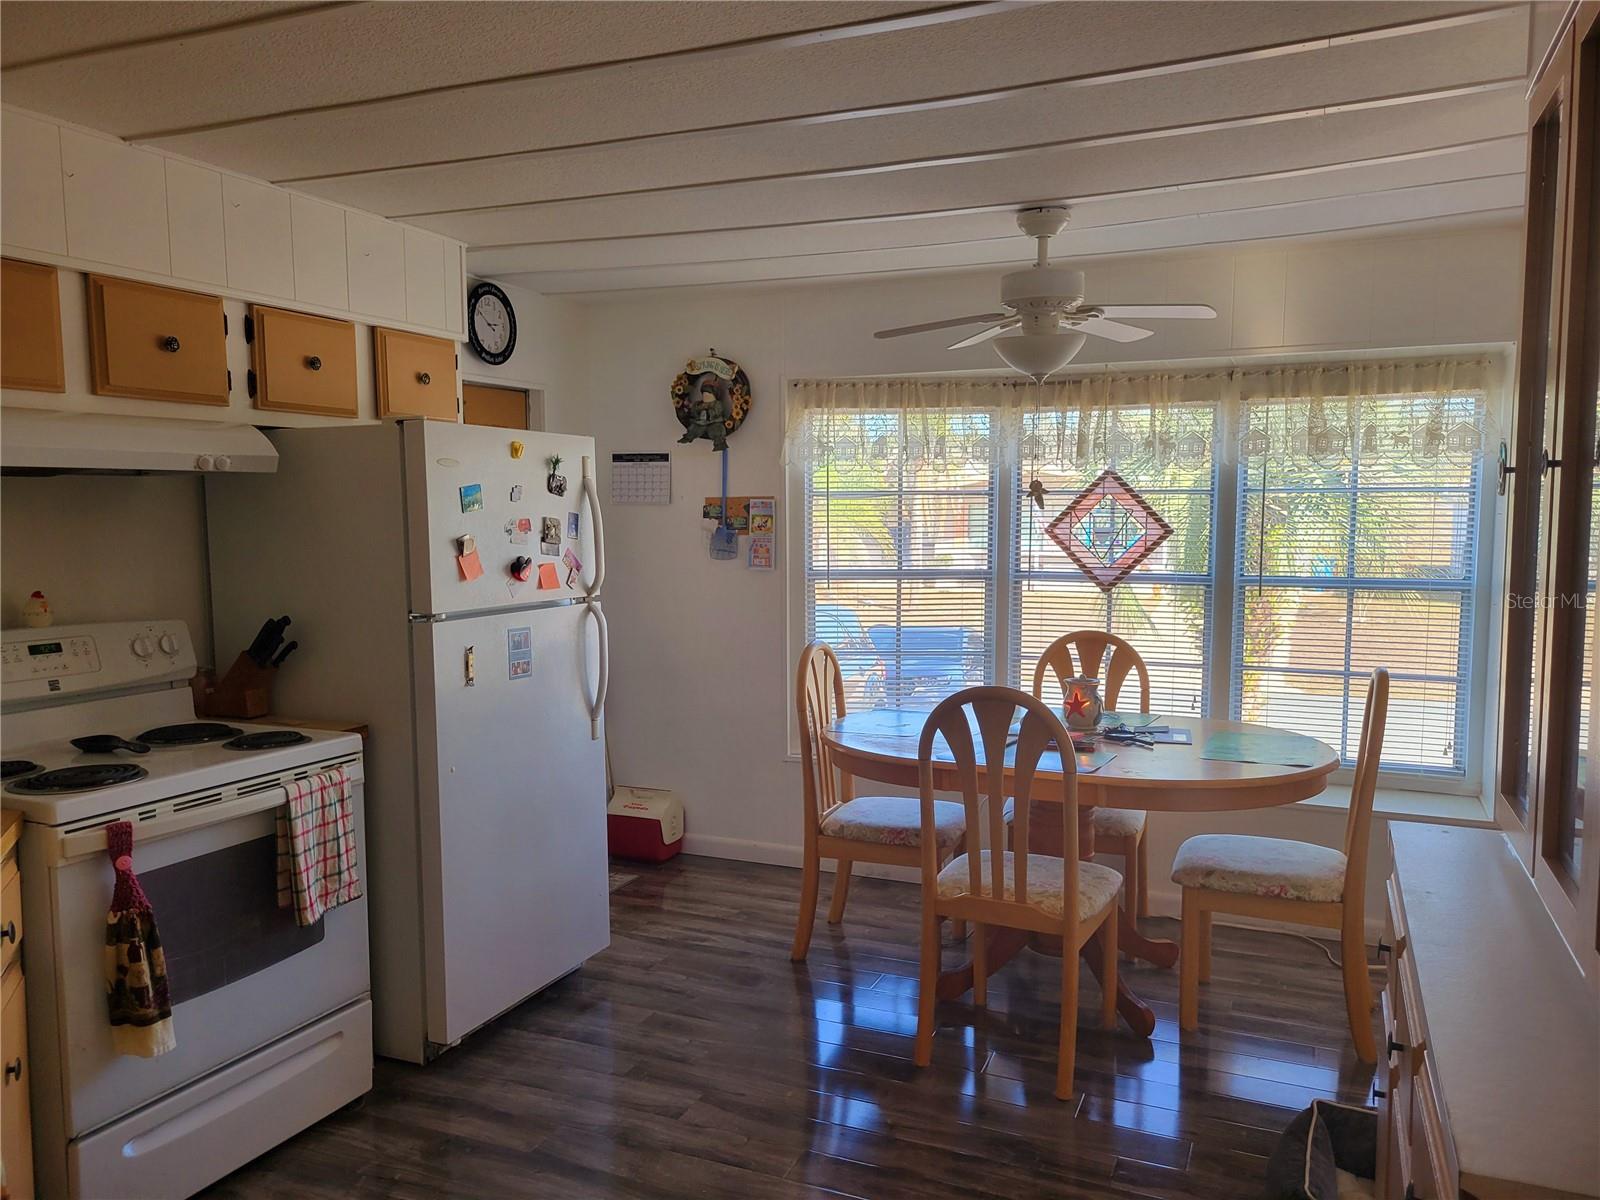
547, 576
471, 566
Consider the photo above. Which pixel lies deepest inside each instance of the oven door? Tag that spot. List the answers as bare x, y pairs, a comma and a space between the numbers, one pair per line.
242, 973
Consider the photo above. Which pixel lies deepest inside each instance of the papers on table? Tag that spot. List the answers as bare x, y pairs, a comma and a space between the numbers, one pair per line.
1133, 720
1273, 749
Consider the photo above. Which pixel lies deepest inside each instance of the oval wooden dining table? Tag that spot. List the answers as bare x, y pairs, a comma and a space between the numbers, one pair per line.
881, 745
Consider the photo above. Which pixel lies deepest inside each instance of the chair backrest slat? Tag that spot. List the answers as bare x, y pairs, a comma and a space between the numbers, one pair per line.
819, 700
1089, 647
975, 725
1358, 823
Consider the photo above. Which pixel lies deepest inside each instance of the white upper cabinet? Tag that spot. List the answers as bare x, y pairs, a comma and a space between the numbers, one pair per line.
376, 253
424, 278
116, 199
260, 237
33, 212
321, 274
455, 278
194, 222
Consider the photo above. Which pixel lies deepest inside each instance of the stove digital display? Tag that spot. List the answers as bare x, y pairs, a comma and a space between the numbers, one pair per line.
44, 648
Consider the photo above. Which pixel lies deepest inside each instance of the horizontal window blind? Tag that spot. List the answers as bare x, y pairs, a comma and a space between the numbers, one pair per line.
1357, 540
900, 537
1164, 607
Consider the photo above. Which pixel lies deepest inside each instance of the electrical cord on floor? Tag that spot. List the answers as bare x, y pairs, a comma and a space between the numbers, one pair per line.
1328, 954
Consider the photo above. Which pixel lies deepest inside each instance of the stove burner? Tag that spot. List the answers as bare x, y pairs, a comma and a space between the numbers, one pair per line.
191, 733
267, 739
79, 779
10, 768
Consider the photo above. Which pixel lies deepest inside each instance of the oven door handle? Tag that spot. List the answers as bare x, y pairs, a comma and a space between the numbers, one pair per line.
93, 841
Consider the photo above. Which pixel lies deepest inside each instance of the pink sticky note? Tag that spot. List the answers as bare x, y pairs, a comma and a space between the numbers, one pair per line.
547, 576
471, 566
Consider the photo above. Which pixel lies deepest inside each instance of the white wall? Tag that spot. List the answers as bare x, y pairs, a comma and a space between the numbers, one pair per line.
548, 357
700, 667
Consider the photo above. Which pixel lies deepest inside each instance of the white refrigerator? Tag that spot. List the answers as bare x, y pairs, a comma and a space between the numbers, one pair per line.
482, 693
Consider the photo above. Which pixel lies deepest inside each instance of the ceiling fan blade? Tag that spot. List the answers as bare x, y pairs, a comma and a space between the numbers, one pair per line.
976, 319
1162, 312
1115, 330
985, 335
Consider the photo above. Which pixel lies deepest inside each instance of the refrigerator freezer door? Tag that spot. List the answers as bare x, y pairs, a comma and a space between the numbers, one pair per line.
511, 793
460, 482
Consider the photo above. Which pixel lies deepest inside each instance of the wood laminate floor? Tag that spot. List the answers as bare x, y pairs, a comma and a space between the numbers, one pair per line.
693, 1060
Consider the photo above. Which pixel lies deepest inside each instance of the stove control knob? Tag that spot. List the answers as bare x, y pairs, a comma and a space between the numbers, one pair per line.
142, 647
222, 462
168, 644
204, 462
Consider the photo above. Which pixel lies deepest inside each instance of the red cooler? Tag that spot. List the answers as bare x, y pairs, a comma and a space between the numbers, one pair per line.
644, 824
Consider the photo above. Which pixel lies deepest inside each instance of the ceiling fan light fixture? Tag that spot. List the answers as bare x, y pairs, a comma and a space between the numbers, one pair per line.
1039, 355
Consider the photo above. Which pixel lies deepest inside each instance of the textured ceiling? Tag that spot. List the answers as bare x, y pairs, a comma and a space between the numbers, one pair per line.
597, 145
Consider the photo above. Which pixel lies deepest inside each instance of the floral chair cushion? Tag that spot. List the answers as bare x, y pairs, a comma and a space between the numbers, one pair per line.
1108, 822
895, 821
1097, 885
1260, 866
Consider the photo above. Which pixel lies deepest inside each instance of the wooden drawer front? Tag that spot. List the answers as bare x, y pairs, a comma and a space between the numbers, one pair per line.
10, 912
303, 363
156, 343
16, 1125
30, 328
416, 375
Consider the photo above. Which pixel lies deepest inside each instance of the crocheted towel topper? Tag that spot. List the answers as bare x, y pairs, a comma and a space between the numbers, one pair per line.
136, 968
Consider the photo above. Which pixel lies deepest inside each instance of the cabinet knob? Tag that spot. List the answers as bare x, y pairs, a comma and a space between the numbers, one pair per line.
14, 1069
8, 932
170, 344
314, 363
1383, 947
1395, 1047
424, 377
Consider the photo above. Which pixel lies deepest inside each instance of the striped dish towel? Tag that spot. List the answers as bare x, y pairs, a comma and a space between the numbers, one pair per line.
317, 846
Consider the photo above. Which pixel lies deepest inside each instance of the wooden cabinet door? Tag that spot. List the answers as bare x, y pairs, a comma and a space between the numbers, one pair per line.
416, 375
302, 363
16, 1123
156, 343
30, 328
484, 404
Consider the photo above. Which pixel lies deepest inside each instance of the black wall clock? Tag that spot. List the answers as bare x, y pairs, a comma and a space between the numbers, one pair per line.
491, 323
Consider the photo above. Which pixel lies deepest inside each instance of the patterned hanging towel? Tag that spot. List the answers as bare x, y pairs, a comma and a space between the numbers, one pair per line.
317, 846
136, 968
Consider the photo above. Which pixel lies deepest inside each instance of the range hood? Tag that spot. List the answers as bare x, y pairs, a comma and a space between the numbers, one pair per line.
33, 442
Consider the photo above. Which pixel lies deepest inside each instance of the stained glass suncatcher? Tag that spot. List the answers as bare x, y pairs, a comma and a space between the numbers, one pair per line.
1108, 530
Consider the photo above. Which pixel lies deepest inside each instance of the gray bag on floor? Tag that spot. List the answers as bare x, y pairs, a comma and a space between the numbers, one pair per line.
1320, 1142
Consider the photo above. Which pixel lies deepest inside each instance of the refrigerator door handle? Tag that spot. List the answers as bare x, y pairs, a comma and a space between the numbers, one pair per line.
592, 493
597, 704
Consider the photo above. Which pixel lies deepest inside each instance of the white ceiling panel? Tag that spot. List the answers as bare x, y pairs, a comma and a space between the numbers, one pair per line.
1030, 44
31, 30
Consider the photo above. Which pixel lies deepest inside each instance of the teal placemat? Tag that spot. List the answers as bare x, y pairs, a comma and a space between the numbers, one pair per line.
1273, 749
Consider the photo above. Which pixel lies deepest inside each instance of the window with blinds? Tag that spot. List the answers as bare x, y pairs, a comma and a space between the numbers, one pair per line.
1357, 540
1164, 607
900, 563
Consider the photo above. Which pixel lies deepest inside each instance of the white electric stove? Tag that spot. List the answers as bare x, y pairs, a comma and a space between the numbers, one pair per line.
273, 1021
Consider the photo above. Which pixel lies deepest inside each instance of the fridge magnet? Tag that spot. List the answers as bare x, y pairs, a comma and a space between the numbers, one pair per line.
472, 498
554, 483
466, 543
519, 653
762, 510
572, 525
550, 535
547, 576
711, 397
518, 529
761, 552
574, 565
516, 449
516, 493
522, 568
469, 667
470, 566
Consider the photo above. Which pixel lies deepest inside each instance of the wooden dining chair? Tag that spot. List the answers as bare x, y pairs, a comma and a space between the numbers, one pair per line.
1116, 830
846, 828
1282, 880
986, 885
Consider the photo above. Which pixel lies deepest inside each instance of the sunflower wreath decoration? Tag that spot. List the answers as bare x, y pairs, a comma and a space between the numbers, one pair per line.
711, 397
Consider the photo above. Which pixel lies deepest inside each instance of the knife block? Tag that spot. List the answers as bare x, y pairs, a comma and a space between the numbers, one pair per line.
244, 692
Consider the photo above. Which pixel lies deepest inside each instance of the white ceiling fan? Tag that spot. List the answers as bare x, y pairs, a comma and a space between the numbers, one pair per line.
1046, 319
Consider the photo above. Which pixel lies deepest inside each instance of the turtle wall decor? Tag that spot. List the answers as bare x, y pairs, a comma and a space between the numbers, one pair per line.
711, 397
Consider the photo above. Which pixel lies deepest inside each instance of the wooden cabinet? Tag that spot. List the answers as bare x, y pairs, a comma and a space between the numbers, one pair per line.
300, 363
375, 259
30, 328
156, 343
483, 404
16, 1126
416, 375
116, 198
259, 237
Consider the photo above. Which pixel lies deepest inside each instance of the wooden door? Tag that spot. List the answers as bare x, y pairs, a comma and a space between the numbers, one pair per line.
301, 363
30, 328
416, 375
156, 343
16, 1124
507, 408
